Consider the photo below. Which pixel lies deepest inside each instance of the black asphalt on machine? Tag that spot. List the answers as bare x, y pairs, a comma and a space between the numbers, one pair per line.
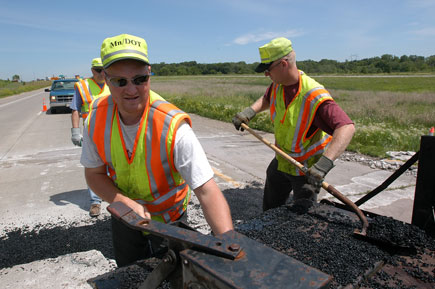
284, 248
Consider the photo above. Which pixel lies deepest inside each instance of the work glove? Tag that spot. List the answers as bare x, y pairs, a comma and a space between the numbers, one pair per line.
76, 136
316, 174
243, 117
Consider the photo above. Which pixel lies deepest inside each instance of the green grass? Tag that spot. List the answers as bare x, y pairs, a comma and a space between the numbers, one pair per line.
380, 83
390, 113
8, 88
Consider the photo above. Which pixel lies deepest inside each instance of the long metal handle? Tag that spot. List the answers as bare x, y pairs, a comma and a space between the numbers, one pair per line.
330, 189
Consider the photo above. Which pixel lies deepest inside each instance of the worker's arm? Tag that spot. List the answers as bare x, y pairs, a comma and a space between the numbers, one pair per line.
99, 182
341, 138
260, 104
215, 207
75, 119
249, 113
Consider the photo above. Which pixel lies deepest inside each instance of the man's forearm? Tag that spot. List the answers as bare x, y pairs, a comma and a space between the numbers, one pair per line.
75, 119
215, 207
340, 140
260, 104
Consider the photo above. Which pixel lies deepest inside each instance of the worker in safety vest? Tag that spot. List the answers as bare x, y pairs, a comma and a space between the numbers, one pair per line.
140, 149
86, 90
308, 125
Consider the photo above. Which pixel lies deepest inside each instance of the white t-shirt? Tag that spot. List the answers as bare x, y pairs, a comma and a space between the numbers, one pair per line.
189, 157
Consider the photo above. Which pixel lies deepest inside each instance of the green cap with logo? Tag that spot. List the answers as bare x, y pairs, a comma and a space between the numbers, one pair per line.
96, 63
275, 49
123, 46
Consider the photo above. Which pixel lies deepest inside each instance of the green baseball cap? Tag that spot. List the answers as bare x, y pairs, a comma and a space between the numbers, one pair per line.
96, 62
275, 49
123, 46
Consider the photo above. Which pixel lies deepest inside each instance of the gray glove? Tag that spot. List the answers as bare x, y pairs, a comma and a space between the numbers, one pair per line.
76, 136
243, 117
318, 171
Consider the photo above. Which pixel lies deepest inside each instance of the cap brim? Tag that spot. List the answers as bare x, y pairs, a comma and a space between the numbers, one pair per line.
262, 67
125, 58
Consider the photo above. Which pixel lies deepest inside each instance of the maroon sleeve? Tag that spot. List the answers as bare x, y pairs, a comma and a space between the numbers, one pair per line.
266, 95
329, 117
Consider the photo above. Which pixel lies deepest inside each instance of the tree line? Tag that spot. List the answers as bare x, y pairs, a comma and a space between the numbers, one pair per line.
387, 63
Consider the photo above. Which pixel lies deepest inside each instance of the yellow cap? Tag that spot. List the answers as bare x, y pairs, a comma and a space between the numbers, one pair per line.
96, 62
275, 49
123, 46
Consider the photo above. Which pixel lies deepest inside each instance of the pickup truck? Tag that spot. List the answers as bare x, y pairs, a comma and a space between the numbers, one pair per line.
61, 94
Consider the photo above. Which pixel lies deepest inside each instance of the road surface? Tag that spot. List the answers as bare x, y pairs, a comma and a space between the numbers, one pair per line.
42, 181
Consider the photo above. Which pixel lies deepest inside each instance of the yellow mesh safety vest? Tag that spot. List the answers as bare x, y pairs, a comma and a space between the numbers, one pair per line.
291, 124
149, 175
90, 90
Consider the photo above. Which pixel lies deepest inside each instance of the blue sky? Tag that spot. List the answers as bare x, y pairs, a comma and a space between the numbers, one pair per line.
45, 38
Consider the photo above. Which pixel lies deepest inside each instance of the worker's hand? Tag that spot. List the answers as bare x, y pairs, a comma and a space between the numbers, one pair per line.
243, 117
316, 174
76, 136
141, 210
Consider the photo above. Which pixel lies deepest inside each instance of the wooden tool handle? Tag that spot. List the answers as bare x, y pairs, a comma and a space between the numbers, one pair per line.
330, 189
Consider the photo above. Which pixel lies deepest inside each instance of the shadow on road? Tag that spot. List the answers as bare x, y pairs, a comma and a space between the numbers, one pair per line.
78, 197
21, 246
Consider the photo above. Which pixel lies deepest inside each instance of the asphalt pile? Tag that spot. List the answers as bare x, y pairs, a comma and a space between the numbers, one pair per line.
323, 238
21, 245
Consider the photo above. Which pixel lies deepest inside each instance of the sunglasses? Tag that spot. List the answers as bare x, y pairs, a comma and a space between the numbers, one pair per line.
272, 67
98, 70
122, 81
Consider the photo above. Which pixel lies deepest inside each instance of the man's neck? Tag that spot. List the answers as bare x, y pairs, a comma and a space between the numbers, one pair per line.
130, 119
100, 83
293, 77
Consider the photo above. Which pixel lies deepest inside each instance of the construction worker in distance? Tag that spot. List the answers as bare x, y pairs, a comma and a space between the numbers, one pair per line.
140, 149
86, 90
308, 125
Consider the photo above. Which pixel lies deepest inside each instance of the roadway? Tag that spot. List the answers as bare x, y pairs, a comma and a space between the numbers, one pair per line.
41, 178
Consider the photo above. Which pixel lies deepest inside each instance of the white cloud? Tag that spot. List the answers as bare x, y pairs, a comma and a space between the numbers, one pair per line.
257, 37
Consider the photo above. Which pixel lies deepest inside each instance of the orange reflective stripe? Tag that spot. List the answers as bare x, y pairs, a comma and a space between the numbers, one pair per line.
164, 191
84, 92
306, 113
99, 119
272, 104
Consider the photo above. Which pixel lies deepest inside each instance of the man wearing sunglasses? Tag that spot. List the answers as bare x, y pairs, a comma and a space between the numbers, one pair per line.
86, 90
140, 149
308, 125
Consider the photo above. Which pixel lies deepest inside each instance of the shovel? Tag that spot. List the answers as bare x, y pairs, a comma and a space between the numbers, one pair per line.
330, 189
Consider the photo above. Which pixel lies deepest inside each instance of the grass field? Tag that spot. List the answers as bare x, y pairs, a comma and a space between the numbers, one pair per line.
10, 88
390, 113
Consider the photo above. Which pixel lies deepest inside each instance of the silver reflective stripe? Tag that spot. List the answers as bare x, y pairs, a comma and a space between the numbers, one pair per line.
124, 51
92, 120
149, 147
108, 130
176, 205
163, 153
79, 83
316, 144
165, 197
274, 91
301, 112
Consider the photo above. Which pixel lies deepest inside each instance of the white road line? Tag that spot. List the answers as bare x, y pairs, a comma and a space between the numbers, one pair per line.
217, 136
226, 178
21, 99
